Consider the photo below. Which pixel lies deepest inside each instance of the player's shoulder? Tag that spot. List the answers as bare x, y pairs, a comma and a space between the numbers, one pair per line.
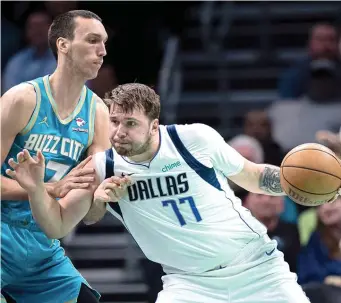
22, 96
101, 107
196, 131
197, 136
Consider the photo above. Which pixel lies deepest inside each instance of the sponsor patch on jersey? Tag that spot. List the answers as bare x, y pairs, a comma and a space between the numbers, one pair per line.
80, 122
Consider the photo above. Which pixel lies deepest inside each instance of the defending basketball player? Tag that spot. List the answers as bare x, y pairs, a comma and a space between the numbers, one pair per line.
178, 205
60, 116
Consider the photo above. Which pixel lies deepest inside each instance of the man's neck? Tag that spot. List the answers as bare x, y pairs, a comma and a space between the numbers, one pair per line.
66, 88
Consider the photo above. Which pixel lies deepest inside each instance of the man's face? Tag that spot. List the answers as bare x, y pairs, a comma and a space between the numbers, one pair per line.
37, 27
130, 133
257, 125
87, 49
266, 209
323, 42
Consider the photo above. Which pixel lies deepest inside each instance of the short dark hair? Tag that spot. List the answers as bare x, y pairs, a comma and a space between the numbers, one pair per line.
64, 26
132, 96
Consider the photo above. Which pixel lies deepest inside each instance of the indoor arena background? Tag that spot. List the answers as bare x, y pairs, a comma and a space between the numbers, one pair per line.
266, 75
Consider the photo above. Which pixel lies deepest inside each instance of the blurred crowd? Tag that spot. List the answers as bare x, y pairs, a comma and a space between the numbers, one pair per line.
309, 101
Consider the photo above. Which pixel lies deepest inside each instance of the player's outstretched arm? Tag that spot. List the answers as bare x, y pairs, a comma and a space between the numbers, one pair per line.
56, 217
17, 106
259, 178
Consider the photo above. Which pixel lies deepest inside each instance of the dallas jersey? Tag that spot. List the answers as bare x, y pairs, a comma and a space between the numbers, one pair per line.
62, 141
180, 209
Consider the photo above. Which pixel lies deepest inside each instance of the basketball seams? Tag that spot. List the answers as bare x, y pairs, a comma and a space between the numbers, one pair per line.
307, 192
312, 169
321, 150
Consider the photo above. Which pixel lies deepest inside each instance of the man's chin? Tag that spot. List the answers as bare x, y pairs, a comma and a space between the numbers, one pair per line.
122, 151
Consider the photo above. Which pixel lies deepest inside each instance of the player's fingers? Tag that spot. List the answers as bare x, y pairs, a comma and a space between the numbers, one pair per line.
84, 179
113, 196
20, 157
71, 186
12, 163
116, 180
84, 162
40, 157
127, 180
84, 171
28, 157
101, 197
110, 186
11, 173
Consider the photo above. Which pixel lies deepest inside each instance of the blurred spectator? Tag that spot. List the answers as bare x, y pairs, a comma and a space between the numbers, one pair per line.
249, 148
12, 35
323, 44
267, 209
36, 59
320, 260
55, 8
258, 125
105, 81
296, 122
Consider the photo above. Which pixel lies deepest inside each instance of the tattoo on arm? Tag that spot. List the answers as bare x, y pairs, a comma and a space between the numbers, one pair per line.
270, 180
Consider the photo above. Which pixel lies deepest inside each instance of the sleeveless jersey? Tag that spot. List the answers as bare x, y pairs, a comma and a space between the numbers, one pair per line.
180, 209
63, 142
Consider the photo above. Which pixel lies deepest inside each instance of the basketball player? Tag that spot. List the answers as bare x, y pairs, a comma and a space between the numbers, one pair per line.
170, 184
59, 115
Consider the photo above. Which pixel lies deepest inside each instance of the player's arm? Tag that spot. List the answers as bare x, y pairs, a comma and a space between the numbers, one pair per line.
259, 178
17, 106
100, 143
256, 178
55, 217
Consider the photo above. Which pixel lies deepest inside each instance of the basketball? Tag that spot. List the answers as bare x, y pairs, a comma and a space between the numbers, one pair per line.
311, 174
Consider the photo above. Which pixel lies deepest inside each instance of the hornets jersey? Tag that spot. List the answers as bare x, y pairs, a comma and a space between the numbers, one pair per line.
180, 209
62, 141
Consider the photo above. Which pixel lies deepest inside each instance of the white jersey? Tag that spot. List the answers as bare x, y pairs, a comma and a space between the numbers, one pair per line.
180, 209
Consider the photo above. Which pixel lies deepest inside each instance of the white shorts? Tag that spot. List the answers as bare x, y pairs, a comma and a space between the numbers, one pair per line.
258, 275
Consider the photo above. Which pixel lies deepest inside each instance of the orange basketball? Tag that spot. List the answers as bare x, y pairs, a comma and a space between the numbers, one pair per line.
311, 174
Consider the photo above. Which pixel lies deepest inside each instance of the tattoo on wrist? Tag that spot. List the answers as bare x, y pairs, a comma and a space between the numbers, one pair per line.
270, 180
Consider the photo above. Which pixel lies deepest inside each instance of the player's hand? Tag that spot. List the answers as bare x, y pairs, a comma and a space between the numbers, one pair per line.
27, 171
77, 178
336, 197
329, 139
112, 189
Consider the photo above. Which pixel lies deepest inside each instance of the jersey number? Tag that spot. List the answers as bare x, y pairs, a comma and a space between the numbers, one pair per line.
59, 168
174, 205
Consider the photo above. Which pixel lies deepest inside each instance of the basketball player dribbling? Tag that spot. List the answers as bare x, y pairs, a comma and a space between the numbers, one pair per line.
170, 191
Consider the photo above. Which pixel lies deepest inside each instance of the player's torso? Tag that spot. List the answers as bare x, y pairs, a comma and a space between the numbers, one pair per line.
62, 141
182, 213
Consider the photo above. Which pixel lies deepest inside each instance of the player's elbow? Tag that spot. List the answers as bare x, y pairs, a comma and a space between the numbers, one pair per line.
53, 233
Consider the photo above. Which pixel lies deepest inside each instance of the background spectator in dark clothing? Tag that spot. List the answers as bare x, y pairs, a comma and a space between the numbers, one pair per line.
321, 258
36, 59
258, 125
323, 44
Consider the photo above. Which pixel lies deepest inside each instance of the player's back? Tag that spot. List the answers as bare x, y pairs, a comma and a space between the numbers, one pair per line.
62, 141
180, 209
